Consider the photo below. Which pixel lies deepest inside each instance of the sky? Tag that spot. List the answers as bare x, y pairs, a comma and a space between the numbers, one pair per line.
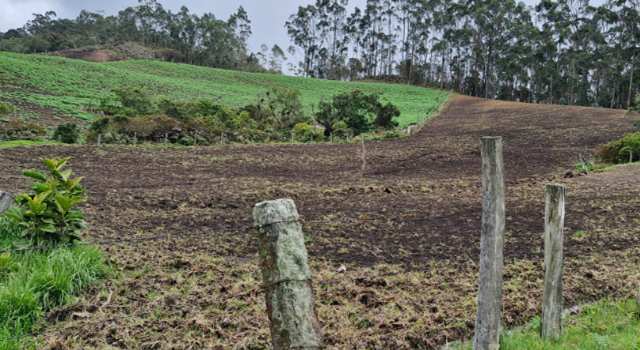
267, 16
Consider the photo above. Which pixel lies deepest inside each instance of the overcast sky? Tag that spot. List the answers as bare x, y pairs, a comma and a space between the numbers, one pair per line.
267, 16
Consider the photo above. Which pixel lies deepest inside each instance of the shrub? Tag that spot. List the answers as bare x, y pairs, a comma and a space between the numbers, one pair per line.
275, 113
360, 111
303, 132
385, 114
6, 108
341, 129
129, 101
67, 133
48, 216
21, 130
624, 150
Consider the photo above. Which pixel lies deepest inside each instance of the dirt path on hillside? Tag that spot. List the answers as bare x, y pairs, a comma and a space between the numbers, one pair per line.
177, 222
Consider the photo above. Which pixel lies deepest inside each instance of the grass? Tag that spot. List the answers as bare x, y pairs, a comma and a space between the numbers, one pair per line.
26, 143
32, 283
75, 87
611, 325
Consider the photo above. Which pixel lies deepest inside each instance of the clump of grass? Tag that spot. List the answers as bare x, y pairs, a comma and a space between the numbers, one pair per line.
605, 325
34, 282
580, 234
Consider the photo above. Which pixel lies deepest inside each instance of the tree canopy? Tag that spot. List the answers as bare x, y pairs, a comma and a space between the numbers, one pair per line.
183, 36
564, 51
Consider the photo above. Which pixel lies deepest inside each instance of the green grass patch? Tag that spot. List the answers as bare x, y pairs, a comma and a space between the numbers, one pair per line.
32, 283
26, 143
606, 325
75, 87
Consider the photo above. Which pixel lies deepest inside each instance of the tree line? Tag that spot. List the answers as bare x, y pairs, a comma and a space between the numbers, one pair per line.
564, 51
181, 36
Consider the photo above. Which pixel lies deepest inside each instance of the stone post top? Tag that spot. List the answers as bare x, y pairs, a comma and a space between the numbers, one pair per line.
490, 138
555, 185
271, 212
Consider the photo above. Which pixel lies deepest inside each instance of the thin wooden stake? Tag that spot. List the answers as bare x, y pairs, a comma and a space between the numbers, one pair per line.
364, 155
487, 330
552, 304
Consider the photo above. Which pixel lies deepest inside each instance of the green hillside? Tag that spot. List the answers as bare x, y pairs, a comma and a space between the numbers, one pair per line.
73, 87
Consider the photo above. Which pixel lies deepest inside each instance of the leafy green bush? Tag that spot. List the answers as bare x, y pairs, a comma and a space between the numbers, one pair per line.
303, 132
360, 111
67, 133
624, 150
48, 216
21, 130
385, 114
129, 101
6, 108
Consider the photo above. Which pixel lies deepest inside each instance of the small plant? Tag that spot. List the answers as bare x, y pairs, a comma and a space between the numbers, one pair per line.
6, 108
580, 234
67, 133
48, 216
584, 167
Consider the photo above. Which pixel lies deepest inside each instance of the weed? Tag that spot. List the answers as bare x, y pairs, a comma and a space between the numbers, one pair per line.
580, 234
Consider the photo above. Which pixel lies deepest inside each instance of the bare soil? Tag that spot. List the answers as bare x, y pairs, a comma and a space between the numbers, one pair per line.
176, 223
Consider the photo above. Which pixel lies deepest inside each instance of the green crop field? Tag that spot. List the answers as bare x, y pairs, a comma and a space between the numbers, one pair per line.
74, 88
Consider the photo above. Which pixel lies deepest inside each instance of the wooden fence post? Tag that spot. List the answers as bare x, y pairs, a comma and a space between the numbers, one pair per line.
553, 261
487, 329
363, 155
99, 139
286, 276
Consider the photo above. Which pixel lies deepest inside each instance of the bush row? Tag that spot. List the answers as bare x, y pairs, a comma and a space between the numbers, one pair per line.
624, 150
131, 115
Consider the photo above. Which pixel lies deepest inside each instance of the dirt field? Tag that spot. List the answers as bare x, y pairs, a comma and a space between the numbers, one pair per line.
177, 223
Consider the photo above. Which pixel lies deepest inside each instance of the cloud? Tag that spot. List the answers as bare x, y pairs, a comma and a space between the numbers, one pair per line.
15, 13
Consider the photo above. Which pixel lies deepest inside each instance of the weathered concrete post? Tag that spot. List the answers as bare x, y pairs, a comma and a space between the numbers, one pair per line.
553, 261
487, 330
6, 201
99, 140
286, 276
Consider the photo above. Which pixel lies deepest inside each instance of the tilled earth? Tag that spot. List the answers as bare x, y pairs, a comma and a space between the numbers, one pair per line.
176, 223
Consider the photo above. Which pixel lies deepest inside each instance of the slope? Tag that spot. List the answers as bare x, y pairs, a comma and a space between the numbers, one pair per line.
74, 87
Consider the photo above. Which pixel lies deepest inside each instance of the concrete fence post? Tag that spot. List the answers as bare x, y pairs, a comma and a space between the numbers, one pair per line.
552, 304
286, 276
487, 328
6, 201
99, 139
